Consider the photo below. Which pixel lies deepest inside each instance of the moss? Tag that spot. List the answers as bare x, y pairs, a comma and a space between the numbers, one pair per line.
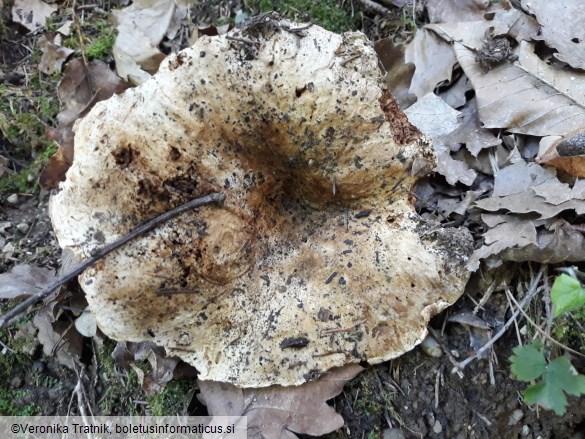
568, 329
173, 400
119, 389
101, 47
99, 37
329, 14
27, 179
10, 363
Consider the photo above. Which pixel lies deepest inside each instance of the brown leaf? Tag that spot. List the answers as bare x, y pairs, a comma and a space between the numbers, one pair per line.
398, 72
565, 153
470, 132
561, 27
162, 367
32, 14
528, 97
141, 27
435, 119
454, 11
25, 280
58, 337
80, 89
54, 55
517, 239
433, 59
278, 412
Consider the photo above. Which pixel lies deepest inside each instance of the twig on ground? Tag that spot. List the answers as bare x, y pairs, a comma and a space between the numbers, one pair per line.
539, 329
529, 295
8, 317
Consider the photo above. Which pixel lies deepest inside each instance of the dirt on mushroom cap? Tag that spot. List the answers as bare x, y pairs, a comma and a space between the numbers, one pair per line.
317, 258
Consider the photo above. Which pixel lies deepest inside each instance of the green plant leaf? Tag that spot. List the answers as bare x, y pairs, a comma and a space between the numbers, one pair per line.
567, 294
564, 375
528, 363
558, 377
547, 395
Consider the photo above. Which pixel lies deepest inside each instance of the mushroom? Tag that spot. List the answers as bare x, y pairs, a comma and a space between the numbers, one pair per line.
317, 257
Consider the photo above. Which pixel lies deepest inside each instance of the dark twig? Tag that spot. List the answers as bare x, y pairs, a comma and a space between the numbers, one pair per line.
8, 317
529, 295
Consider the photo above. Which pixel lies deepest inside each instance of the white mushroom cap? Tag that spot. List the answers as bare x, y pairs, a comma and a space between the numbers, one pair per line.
317, 259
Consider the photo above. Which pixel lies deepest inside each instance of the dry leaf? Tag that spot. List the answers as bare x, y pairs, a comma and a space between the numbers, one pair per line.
433, 59
32, 14
54, 55
454, 94
435, 119
25, 280
278, 412
520, 240
162, 367
561, 27
515, 24
79, 90
141, 27
529, 97
59, 338
470, 132
398, 72
454, 11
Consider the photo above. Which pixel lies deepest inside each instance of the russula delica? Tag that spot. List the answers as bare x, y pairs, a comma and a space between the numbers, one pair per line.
317, 257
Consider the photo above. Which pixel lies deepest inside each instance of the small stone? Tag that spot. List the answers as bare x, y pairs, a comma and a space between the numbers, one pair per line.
12, 199
515, 417
525, 430
393, 433
22, 227
30, 178
38, 366
437, 428
431, 347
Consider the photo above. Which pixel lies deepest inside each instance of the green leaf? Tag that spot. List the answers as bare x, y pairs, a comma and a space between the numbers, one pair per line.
567, 294
528, 363
559, 376
547, 395
564, 375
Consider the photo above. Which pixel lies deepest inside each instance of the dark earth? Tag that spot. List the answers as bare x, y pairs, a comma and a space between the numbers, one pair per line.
416, 395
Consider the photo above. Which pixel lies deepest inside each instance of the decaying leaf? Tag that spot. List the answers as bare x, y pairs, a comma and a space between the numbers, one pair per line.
528, 97
58, 337
25, 280
279, 412
436, 119
455, 11
433, 59
470, 132
54, 54
561, 27
141, 27
398, 72
32, 14
528, 191
317, 213
162, 366
79, 90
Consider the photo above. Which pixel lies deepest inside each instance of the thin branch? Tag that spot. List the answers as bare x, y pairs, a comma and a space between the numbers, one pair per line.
529, 295
539, 329
9, 317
